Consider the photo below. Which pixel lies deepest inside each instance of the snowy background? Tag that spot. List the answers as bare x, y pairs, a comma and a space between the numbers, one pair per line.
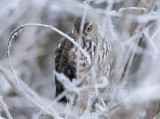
132, 27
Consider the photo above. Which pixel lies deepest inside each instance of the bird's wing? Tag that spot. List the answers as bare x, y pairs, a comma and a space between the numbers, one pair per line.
63, 63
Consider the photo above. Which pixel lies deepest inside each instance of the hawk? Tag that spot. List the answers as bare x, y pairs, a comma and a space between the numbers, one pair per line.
66, 55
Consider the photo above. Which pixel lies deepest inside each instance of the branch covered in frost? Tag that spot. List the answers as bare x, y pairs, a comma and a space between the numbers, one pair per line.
44, 26
67, 83
30, 95
50, 27
5, 108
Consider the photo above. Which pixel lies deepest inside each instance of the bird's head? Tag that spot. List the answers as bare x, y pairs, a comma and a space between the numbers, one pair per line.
90, 28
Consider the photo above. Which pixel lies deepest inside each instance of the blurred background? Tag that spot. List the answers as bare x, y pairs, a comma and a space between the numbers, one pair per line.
133, 33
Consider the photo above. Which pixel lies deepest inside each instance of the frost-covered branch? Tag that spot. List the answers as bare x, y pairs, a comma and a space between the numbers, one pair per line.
29, 94
45, 26
5, 108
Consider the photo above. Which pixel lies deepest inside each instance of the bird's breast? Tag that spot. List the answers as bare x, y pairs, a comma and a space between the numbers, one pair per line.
78, 59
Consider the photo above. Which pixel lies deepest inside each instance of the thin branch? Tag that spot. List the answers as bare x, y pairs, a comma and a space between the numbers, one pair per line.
5, 108
151, 42
44, 26
132, 55
52, 28
30, 95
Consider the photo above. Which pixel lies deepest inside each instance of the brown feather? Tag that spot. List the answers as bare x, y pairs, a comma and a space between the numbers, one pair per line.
63, 63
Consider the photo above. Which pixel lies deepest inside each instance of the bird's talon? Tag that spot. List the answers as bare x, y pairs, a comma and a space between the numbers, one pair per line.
83, 108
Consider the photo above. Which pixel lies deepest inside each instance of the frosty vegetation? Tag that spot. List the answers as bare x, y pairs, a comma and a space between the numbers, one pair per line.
30, 31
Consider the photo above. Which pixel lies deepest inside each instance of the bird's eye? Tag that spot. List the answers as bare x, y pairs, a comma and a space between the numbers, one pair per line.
89, 28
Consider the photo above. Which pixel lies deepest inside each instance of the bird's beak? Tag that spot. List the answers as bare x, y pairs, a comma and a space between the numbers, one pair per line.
82, 34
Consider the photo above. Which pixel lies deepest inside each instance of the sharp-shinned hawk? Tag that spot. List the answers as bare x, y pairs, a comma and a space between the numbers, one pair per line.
66, 55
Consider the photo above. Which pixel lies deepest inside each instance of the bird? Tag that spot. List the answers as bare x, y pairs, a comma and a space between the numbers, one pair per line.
66, 55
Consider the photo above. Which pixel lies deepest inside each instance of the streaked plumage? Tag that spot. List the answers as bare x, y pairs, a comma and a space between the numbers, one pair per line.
66, 54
